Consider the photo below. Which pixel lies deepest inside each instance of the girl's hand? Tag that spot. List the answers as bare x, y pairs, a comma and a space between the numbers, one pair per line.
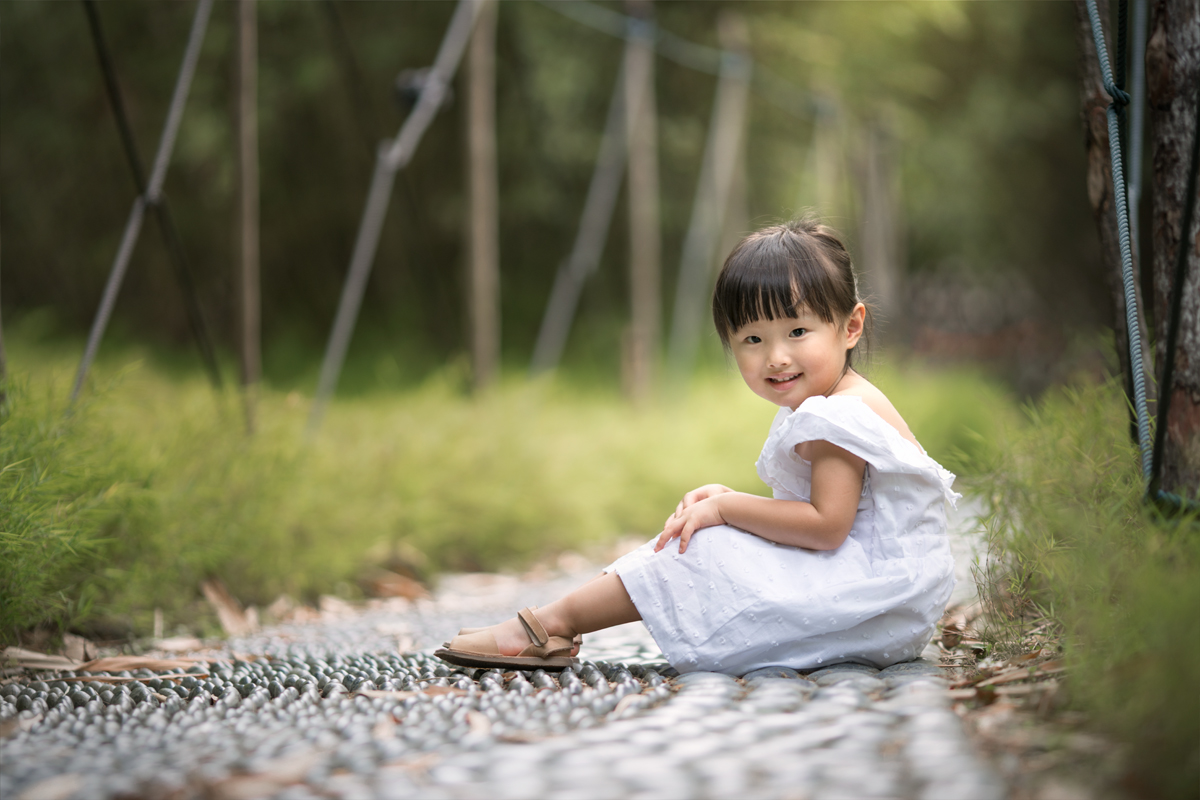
696, 495
699, 514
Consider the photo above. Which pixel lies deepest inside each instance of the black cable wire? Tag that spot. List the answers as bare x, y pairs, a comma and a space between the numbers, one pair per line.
114, 96
352, 78
370, 127
191, 297
1168, 371
162, 212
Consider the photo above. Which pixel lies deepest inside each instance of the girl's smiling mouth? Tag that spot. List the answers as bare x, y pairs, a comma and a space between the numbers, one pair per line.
781, 380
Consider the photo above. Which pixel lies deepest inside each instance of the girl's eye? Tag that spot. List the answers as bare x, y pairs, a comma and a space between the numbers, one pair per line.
753, 339
798, 331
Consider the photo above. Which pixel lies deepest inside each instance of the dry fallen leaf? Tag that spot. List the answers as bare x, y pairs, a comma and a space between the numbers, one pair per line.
245, 787
78, 648
34, 660
1026, 688
281, 608
401, 695
1022, 659
384, 583
419, 765
954, 625
121, 663
383, 729
229, 611
478, 724
520, 737
624, 703
385, 694
335, 607
58, 787
178, 644
1024, 673
115, 679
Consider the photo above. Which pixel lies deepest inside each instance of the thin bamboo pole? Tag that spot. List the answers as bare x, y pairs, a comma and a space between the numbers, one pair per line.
483, 214
392, 155
248, 207
151, 197
713, 191
594, 223
880, 241
645, 243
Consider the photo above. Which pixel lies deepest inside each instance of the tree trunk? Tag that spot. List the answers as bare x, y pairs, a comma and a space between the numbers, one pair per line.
484, 224
645, 243
248, 218
1173, 79
1100, 195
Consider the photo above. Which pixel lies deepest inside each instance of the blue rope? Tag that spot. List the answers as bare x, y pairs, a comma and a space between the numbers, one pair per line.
1119, 99
780, 92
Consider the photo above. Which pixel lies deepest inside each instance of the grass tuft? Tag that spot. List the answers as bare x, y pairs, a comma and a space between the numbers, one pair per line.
1072, 540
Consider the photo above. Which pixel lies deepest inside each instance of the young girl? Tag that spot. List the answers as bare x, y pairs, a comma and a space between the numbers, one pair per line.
849, 561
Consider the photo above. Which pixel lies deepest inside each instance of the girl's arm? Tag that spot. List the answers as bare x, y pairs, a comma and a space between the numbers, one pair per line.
822, 524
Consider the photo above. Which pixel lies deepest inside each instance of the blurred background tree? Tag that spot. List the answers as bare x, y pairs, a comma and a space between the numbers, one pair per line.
964, 117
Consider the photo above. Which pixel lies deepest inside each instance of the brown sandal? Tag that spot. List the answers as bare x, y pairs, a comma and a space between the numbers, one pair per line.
479, 649
577, 641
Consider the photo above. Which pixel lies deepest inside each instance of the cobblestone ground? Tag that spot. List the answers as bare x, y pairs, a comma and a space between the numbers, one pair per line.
353, 706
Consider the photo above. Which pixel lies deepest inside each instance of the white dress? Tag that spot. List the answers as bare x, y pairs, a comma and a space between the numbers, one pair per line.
735, 602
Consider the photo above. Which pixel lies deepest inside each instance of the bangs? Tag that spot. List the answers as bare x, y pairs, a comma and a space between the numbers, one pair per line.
772, 277
745, 298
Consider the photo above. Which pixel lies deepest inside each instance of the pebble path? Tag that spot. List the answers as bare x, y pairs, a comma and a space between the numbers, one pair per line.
337, 710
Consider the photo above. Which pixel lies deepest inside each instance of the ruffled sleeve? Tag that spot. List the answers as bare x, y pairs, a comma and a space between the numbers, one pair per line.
849, 423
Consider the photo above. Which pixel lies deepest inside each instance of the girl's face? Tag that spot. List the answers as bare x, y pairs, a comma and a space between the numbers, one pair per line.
791, 359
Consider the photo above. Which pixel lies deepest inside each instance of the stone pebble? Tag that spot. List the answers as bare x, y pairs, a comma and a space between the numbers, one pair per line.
296, 725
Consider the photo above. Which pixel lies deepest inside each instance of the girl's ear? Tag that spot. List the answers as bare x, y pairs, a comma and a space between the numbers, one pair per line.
855, 325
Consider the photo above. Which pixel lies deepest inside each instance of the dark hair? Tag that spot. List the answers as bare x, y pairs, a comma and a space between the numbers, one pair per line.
774, 272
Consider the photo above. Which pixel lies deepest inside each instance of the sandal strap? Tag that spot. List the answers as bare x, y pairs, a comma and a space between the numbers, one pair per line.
554, 646
534, 628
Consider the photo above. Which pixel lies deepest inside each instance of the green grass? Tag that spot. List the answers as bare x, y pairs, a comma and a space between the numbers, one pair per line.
1074, 542
152, 486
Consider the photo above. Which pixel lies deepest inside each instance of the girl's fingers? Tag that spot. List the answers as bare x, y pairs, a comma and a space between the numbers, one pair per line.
685, 537
670, 531
662, 541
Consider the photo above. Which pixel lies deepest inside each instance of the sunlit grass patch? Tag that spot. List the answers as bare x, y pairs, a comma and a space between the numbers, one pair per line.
430, 476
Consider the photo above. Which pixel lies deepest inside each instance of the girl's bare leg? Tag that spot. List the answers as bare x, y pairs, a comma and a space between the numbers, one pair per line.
600, 603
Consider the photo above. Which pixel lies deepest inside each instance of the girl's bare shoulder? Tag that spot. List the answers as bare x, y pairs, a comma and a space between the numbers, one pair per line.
877, 401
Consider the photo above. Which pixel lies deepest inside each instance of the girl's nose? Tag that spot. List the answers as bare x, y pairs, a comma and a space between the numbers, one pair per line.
780, 357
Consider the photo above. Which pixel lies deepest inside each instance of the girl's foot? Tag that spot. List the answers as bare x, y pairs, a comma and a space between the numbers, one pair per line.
577, 641
499, 647
512, 638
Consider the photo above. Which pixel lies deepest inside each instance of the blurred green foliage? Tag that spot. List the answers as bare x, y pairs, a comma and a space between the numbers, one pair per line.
980, 101
152, 486
1072, 540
